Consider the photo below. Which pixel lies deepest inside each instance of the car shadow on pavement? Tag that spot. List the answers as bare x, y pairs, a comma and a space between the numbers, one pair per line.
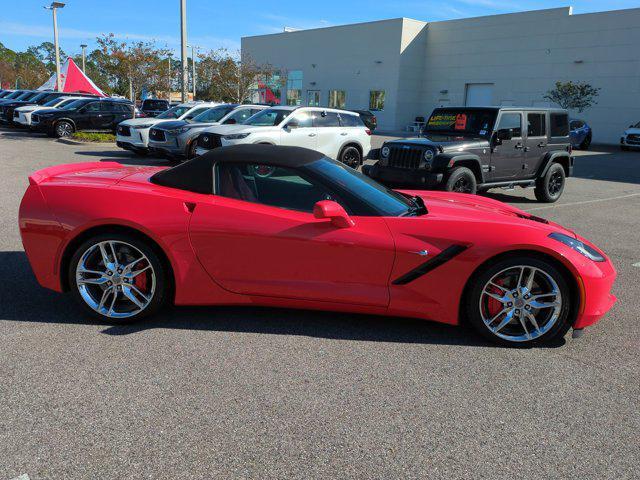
124, 157
24, 300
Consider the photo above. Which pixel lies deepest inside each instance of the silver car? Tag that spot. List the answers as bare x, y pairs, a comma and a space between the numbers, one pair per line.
177, 139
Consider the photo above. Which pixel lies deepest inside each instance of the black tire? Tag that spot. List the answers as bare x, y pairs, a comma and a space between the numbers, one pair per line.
586, 143
550, 187
551, 332
159, 296
63, 129
191, 151
624, 148
461, 180
140, 153
351, 156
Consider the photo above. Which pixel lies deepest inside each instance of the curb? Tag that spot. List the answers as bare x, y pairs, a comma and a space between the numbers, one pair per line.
68, 141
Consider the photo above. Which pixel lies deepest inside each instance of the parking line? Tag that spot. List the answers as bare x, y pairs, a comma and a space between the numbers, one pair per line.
586, 202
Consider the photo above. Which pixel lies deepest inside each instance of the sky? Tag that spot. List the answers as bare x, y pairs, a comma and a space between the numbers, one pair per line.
221, 23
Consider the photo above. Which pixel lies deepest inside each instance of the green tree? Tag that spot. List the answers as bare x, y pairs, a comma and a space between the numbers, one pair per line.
577, 96
46, 53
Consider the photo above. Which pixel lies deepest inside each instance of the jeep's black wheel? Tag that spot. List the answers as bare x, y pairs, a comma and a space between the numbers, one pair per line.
520, 301
351, 157
140, 152
586, 143
63, 129
550, 187
461, 180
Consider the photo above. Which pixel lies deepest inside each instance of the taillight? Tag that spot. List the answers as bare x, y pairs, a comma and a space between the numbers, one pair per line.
368, 131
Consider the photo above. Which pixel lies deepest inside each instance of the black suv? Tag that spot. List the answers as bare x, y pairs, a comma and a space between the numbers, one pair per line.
471, 149
7, 109
152, 107
91, 114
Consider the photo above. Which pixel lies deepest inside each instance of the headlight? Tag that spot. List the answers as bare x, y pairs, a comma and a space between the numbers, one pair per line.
236, 136
143, 126
578, 246
385, 152
180, 130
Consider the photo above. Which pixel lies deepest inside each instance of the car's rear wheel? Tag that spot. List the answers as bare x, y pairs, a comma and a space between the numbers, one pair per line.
550, 187
191, 151
461, 180
118, 277
63, 129
351, 157
520, 301
586, 143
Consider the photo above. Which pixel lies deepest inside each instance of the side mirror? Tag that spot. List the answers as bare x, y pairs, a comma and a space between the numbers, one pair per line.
504, 134
231, 121
293, 123
328, 209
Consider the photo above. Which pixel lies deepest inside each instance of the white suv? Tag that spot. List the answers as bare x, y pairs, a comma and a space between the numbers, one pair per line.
631, 137
134, 134
339, 134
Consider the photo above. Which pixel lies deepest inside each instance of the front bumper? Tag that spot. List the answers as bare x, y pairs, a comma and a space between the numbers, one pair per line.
403, 176
630, 142
174, 145
138, 139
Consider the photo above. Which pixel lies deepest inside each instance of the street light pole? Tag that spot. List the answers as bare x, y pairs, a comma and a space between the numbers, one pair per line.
84, 55
183, 39
193, 65
169, 84
54, 8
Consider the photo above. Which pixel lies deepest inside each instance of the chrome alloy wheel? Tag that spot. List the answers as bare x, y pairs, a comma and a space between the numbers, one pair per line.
64, 129
115, 279
520, 303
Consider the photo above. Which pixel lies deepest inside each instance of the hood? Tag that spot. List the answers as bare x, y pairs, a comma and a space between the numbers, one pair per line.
446, 142
632, 131
464, 207
44, 111
236, 128
144, 121
171, 124
31, 108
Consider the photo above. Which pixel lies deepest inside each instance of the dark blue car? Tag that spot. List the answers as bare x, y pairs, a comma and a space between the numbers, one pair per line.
580, 134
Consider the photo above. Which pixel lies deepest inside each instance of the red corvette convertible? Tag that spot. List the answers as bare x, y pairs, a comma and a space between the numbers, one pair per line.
287, 227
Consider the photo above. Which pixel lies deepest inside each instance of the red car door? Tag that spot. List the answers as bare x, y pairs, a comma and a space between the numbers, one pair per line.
257, 249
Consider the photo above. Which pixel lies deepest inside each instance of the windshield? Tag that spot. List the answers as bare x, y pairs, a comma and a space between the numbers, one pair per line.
155, 105
56, 102
15, 94
461, 121
637, 125
212, 115
74, 105
174, 112
26, 96
383, 200
268, 118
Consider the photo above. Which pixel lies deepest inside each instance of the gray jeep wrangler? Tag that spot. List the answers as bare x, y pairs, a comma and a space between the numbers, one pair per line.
472, 149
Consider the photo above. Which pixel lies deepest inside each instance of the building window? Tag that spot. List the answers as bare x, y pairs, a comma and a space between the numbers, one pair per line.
294, 88
268, 90
313, 98
337, 98
376, 100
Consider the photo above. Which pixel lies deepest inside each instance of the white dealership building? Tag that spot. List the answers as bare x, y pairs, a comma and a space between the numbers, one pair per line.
403, 68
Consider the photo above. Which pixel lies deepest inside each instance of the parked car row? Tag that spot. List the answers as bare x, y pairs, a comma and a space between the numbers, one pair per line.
193, 129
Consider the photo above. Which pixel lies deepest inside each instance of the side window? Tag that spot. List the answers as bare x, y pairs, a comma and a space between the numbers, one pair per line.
559, 125
511, 121
350, 120
536, 125
326, 119
92, 107
266, 185
576, 124
304, 119
240, 116
195, 113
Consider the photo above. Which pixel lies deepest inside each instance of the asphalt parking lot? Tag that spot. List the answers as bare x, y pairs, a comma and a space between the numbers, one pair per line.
265, 393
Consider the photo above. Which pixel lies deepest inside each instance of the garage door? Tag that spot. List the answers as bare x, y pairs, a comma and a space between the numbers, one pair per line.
479, 95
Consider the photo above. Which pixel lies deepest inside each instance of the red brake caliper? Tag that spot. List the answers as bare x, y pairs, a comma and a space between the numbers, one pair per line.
493, 305
141, 280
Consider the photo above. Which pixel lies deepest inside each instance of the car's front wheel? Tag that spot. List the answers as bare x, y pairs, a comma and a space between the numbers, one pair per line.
550, 187
520, 301
586, 143
118, 277
63, 129
461, 180
351, 157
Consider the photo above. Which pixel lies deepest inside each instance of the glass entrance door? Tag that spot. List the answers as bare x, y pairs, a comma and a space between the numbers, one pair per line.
313, 98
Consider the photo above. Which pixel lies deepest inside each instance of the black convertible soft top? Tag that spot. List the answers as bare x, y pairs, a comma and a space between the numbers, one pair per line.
197, 175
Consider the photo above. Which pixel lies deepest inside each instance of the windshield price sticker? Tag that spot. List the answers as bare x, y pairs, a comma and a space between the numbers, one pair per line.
461, 121
445, 120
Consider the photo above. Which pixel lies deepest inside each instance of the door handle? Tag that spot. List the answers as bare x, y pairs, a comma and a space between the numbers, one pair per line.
519, 146
542, 145
312, 134
526, 149
344, 134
